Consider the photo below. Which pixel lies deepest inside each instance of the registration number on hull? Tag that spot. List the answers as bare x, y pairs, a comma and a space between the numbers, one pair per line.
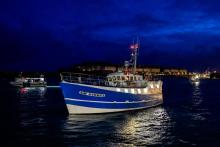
91, 94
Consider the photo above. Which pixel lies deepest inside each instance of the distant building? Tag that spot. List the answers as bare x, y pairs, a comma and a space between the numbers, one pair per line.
141, 70
167, 71
155, 70
175, 71
147, 70
183, 71
110, 68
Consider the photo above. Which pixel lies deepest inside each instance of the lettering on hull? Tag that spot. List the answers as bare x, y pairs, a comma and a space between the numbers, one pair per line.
91, 94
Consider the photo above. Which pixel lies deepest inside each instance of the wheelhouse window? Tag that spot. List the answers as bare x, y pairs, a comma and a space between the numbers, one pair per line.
135, 78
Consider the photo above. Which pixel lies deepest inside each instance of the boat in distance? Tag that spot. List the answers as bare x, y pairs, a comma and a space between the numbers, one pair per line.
195, 78
117, 92
23, 81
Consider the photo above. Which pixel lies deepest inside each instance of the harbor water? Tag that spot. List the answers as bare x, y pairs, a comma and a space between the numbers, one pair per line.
189, 116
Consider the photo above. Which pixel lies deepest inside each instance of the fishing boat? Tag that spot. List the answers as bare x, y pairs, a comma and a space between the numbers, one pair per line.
119, 91
22, 81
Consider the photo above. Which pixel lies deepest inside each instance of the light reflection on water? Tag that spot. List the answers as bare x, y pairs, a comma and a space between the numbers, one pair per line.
147, 127
196, 98
32, 102
32, 91
200, 112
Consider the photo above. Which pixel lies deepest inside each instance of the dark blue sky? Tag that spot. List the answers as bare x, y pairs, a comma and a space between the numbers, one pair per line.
49, 34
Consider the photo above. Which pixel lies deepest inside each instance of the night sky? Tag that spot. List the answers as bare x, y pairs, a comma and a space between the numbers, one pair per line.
50, 34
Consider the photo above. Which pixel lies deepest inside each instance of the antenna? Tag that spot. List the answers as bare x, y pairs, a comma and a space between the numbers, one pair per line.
135, 51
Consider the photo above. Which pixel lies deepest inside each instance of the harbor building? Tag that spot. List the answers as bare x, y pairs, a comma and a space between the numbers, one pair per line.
140, 70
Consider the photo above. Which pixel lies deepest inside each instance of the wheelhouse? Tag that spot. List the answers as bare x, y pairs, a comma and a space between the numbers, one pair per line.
121, 77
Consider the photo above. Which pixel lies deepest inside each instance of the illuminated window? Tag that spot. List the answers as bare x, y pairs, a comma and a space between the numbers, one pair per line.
132, 91
139, 91
145, 90
158, 85
118, 89
126, 90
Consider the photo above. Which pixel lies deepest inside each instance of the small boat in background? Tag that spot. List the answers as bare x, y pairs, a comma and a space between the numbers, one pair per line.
195, 78
29, 81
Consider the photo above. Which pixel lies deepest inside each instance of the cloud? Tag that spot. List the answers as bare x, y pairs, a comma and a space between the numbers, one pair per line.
172, 31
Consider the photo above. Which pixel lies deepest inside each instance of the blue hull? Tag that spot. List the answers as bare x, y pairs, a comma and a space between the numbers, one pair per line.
85, 99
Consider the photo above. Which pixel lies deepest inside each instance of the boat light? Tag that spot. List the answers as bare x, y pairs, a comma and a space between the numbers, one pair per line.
118, 89
158, 85
132, 90
126, 90
145, 90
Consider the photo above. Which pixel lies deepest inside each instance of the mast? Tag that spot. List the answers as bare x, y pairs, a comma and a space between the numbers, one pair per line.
134, 53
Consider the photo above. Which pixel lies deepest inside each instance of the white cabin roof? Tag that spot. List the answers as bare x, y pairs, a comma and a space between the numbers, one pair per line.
119, 74
122, 74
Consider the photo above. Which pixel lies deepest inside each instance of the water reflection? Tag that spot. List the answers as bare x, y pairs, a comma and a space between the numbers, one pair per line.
32, 91
32, 104
196, 98
197, 83
200, 111
146, 127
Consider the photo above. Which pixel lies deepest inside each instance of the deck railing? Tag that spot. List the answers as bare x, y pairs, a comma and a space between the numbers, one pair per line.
83, 79
102, 81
